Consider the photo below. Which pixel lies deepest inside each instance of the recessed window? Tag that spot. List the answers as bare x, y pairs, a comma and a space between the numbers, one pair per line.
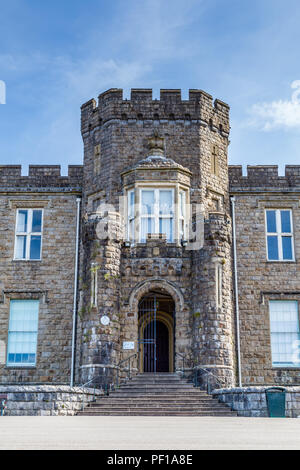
28, 239
22, 333
219, 284
285, 334
279, 235
215, 160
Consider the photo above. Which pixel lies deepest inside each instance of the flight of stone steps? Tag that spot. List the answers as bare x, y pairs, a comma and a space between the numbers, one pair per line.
161, 394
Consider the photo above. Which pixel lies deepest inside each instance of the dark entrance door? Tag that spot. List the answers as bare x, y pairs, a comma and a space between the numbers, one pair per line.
154, 335
158, 347
162, 347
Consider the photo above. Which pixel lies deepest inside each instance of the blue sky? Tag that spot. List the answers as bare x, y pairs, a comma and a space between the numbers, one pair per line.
55, 55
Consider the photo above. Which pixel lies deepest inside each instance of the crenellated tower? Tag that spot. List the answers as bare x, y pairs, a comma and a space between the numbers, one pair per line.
156, 261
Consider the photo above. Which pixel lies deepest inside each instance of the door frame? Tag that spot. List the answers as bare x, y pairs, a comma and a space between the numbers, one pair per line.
168, 321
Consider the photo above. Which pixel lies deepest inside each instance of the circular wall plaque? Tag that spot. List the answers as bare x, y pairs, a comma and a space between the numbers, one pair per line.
105, 320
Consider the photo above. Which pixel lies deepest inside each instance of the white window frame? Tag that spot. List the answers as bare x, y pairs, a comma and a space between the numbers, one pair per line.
130, 217
280, 235
10, 331
28, 234
182, 216
289, 364
156, 215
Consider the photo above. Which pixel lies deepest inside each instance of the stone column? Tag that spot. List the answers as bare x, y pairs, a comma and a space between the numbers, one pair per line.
213, 308
100, 351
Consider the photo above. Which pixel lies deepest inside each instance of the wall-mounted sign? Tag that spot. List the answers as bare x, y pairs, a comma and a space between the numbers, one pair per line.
128, 344
104, 320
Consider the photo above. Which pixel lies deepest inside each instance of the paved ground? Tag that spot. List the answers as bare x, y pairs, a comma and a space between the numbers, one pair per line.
84, 432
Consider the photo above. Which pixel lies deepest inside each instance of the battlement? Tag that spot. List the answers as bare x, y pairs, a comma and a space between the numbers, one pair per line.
142, 107
264, 177
40, 176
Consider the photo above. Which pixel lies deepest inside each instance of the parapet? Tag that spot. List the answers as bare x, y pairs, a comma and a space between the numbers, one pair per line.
40, 177
262, 177
142, 107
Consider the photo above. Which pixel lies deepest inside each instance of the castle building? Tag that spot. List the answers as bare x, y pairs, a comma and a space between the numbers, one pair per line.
154, 250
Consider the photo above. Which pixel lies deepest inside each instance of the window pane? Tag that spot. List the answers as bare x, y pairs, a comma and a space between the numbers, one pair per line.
21, 247
22, 335
273, 248
36, 221
284, 332
131, 204
165, 202
285, 221
147, 202
147, 226
35, 247
271, 221
166, 226
22, 221
287, 248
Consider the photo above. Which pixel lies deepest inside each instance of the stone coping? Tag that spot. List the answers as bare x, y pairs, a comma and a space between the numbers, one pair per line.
48, 389
259, 389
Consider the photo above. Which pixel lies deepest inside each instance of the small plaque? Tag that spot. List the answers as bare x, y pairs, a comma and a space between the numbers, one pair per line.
105, 320
128, 344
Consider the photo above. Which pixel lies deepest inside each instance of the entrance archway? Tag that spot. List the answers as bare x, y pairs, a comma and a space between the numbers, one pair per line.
156, 332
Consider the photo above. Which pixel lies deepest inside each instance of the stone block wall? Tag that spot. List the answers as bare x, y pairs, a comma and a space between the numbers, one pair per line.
46, 400
251, 401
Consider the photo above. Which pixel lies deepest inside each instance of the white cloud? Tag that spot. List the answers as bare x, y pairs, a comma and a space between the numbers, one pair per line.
284, 114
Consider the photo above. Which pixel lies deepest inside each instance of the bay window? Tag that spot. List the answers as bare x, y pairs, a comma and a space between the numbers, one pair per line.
153, 211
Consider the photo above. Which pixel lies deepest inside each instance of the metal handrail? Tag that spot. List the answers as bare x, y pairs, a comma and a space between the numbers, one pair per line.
184, 358
197, 367
208, 372
128, 359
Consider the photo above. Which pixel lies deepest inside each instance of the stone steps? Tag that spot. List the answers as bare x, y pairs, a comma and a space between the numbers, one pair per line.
157, 395
141, 401
220, 413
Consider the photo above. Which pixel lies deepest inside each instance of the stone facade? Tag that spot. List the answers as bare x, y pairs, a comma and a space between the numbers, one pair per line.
130, 145
260, 280
51, 279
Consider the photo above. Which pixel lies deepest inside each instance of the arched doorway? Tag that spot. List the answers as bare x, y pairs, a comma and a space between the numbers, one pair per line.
156, 332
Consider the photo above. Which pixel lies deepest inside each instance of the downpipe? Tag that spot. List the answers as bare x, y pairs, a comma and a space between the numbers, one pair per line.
78, 201
237, 313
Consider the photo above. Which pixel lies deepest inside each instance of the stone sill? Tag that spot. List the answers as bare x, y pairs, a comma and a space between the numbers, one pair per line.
20, 367
281, 262
26, 260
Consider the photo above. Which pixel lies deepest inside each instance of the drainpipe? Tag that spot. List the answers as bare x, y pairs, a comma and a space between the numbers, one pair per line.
237, 313
78, 201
